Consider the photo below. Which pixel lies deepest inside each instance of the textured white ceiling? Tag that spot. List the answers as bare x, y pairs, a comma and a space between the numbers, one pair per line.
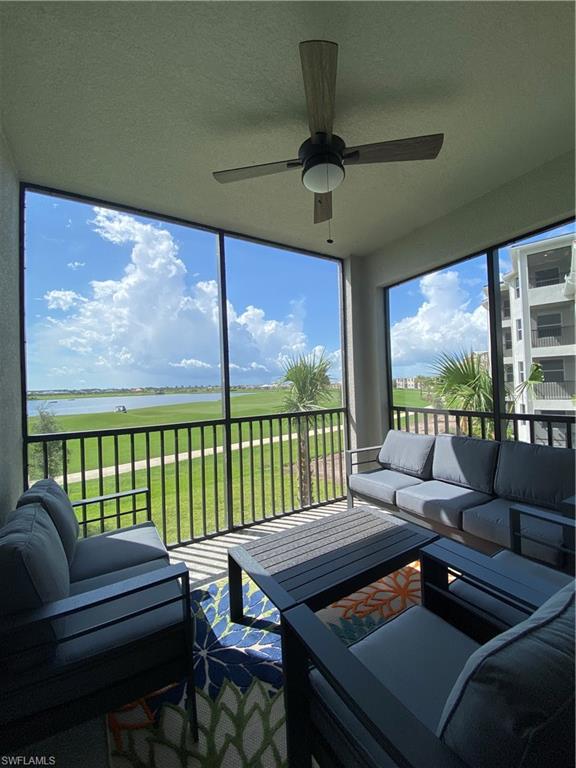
138, 102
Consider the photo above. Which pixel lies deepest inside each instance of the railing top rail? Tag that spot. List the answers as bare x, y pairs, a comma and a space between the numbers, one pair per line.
115, 431
555, 418
443, 411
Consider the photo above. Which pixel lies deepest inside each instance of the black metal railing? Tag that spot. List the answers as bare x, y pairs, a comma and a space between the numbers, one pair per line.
542, 282
204, 477
554, 390
553, 336
543, 429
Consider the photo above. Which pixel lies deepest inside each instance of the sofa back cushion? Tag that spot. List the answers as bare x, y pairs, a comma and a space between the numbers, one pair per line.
33, 566
57, 504
535, 474
33, 572
465, 461
409, 453
513, 702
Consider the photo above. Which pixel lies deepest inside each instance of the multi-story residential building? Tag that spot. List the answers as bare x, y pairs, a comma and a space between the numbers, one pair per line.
538, 324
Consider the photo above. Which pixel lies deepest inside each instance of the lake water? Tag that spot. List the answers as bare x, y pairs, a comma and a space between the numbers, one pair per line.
74, 405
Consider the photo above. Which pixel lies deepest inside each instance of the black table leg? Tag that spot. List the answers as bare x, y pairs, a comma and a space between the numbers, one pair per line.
235, 590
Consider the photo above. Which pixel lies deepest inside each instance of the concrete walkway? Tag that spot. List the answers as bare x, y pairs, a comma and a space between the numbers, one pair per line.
95, 474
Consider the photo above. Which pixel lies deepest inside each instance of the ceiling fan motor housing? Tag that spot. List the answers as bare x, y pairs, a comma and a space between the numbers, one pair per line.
321, 158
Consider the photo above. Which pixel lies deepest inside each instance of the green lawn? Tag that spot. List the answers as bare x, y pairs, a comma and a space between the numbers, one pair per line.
409, 397
121, 449
187, 497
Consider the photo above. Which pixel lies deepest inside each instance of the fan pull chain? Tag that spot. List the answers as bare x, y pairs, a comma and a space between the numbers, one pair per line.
329, 241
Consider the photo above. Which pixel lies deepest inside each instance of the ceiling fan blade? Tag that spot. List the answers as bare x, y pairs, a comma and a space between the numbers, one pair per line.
322, 207
254, 171
416, 148
319, 60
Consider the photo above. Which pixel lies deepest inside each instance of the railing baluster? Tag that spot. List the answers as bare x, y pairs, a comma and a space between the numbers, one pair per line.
340, 450
262, 472
291, 449
83, 482
133, 474
272, 483
241, 468
316, 458
435, 423
425, 423
446, 424
203, 477
148, 469
117, 481
568, 436
281, 447
45, 458
483, 427
550, 434
416, 424
65, 465
252, 481
457, 424
332, 456
100, 482
406, 420
190, 486
470, 425
177, 486
163, 485
515, 429
324, 465
215, 466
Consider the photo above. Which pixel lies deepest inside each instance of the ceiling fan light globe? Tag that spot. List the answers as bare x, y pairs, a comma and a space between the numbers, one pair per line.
323, 177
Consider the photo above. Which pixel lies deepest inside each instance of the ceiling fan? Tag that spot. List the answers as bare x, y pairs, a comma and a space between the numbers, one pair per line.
324, 155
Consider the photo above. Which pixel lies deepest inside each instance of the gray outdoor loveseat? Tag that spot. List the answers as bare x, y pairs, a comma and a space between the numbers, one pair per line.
86, 624
488, 490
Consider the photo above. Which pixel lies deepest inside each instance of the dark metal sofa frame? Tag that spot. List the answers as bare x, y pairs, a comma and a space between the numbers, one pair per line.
77, 707
402, 738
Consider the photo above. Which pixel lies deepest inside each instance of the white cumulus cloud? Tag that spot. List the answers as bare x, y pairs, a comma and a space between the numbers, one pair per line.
60, 299
444, 322
76, 265
157, 323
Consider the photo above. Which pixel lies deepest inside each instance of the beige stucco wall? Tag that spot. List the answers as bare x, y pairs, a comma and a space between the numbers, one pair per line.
10, 395
540, 198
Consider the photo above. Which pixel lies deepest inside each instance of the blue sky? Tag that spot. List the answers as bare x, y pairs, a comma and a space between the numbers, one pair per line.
119, 300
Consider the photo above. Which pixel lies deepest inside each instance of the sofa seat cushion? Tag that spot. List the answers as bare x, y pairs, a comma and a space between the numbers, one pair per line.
518, 692
121, 651
465, 461
420, 674
408, 453
491, 521
381, 484
438, 501
546, 580
54, 500
115, 550
535, 474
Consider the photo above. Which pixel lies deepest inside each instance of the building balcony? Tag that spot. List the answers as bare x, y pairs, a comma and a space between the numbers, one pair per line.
555, 390
553, 336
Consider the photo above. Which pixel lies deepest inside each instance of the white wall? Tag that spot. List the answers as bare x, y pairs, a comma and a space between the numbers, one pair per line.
10, 395
537, 199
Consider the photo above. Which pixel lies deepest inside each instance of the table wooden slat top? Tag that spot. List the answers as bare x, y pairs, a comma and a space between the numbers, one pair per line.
324, 560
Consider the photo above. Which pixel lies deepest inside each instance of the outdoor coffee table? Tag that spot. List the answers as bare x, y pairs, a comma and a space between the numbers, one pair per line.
320, 562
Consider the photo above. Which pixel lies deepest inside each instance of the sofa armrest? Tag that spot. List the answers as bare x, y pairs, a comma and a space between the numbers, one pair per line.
116, 496
445, 560
352, 452
568, 525
87, 600
396, 730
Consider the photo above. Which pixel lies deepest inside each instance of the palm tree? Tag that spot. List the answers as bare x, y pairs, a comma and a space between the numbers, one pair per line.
309, 390
463, 382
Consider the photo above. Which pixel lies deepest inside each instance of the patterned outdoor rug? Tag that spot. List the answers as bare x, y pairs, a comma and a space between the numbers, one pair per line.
239, 681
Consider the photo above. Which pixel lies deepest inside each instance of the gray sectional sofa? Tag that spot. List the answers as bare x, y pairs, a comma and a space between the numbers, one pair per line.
86, 625
470, 485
